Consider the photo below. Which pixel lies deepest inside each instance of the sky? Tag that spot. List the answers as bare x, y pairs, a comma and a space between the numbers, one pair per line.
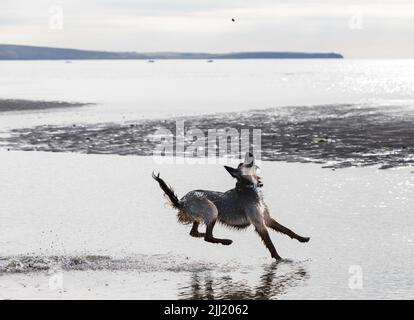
360, 29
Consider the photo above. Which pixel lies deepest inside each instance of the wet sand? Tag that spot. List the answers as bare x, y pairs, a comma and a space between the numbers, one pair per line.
10, 105
334, 136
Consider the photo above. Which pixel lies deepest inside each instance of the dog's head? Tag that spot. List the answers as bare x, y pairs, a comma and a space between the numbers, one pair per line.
246, 172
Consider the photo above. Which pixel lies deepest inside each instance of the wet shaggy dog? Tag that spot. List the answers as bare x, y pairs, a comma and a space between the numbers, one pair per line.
238, 208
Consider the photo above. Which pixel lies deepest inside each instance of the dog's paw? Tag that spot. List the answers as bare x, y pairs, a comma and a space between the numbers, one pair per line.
304, 239
226, 242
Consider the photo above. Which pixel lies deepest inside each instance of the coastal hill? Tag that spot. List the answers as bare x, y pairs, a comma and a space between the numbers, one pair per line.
19, 52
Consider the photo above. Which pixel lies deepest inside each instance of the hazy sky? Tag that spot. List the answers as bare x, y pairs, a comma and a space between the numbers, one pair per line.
365, 29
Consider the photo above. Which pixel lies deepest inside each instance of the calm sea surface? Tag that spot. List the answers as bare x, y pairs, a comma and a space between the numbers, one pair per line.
130, 90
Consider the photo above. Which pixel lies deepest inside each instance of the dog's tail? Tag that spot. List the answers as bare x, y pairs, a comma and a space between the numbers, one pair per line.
168, 191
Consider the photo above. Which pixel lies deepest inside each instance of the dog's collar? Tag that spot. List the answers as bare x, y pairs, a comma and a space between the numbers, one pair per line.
250, 186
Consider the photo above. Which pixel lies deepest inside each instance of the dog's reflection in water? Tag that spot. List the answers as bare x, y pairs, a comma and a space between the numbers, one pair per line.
270, 285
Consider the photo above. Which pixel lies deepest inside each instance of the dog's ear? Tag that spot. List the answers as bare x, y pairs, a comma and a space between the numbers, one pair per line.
233, 172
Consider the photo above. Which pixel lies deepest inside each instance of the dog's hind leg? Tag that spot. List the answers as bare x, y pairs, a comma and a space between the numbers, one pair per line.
262, 231
194, 231
210, 238
203, 210
272, 223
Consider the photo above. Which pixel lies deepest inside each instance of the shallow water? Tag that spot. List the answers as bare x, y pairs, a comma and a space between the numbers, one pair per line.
183, 277
112, 236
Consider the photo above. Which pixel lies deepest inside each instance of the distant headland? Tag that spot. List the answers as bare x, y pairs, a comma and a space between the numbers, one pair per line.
20, 52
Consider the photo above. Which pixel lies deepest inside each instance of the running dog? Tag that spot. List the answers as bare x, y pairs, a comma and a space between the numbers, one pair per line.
237, 208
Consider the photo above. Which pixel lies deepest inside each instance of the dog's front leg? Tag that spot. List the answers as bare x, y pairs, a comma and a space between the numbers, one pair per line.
262, 231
